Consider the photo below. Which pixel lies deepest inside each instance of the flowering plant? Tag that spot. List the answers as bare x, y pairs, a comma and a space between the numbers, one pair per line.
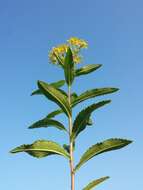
67, 56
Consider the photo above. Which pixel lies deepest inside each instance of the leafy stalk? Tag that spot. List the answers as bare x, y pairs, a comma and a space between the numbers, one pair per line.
67, 58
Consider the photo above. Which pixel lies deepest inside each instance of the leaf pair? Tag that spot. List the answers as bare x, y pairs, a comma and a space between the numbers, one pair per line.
43, 148
83, 117
60, 98
55, 95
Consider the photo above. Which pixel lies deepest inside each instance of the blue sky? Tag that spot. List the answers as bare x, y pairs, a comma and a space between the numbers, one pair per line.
113, 29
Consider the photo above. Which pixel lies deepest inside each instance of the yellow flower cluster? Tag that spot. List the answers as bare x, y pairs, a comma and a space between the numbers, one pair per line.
78, 42
76, 58
74, 43
59, 51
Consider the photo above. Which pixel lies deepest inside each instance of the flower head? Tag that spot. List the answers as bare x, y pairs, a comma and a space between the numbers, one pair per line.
60, 51
75, 44
78, 42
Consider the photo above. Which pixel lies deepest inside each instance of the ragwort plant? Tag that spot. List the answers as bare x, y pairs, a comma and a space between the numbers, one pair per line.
67, 56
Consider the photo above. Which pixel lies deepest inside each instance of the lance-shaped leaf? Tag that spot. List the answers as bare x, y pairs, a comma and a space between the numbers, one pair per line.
54, 113
57, 84
46, 122
87, 69
93, 93
81, 120
105, 146
56, 96
41, 148
69, 67
94, 183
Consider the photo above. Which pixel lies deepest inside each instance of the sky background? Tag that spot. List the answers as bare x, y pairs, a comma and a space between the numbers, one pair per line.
114, 31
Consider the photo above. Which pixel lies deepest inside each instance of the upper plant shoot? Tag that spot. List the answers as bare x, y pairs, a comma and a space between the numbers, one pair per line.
67, 56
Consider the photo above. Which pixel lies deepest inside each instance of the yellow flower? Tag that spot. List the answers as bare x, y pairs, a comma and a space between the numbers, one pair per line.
76, 58
52, 57
78, 42
59, 51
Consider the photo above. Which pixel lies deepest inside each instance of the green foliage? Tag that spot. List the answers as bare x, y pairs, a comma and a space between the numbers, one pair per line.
54, 113
94, 183
105, 146
87, 69
41, 148
67, 56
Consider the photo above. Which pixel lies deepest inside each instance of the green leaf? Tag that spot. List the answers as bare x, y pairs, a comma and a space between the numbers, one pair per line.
94, 183
41, 148
69, 67
87, 69
57, 84
105, 146
93, 93
81, 120
56, 96
46, 122
54, 113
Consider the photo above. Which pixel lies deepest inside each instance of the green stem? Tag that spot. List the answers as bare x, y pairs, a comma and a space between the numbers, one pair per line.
71, 146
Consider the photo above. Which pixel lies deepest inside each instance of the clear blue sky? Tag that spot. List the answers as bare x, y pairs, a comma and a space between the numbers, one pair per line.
114, 31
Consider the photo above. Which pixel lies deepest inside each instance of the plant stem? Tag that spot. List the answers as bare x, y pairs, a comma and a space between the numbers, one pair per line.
71, 145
